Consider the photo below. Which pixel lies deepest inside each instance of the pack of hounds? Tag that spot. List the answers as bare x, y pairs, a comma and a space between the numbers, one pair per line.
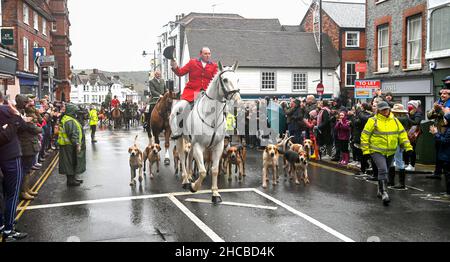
295, 158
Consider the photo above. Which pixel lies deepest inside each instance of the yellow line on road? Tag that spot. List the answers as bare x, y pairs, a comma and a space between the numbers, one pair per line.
47, 173
40, 178
332, 169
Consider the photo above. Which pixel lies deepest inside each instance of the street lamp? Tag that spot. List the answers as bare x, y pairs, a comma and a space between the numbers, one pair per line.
145, 54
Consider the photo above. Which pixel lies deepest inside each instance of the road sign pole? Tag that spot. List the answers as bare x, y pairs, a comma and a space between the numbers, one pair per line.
39, 91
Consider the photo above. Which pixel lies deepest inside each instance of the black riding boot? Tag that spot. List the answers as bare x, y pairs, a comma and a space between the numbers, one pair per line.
391, 181
382, 192
402, 180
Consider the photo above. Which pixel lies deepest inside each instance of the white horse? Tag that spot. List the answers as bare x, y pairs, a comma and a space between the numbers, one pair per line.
205, 129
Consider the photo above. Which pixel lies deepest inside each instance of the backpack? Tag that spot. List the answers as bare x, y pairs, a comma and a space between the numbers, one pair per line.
7, 133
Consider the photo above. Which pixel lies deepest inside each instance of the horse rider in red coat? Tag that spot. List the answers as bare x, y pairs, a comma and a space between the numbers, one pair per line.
201, 71
115, 103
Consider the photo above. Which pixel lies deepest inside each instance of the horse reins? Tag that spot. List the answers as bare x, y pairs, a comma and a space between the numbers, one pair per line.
226, 95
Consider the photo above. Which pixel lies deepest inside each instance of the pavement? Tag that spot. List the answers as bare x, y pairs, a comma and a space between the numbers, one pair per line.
335, 207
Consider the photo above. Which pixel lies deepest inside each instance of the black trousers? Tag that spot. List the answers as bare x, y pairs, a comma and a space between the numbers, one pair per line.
93, 130
439, 164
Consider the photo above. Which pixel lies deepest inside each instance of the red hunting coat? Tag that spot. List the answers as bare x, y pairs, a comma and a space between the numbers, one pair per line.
199, 77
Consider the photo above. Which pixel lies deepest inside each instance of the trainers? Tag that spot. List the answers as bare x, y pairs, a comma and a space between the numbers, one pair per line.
361, 174
38, 164
410, 168
326, 158
13, 236
35, 167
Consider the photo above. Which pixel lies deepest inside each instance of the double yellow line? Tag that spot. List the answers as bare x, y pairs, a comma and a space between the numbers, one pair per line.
37, 186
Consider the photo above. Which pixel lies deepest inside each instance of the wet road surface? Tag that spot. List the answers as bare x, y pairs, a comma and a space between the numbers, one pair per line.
335, 207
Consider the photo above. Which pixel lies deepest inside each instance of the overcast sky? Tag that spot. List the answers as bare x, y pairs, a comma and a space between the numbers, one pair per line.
110, 35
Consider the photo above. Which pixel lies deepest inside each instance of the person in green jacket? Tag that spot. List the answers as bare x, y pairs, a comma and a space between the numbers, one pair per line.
72, 152
157, 89
93, 122
380, 138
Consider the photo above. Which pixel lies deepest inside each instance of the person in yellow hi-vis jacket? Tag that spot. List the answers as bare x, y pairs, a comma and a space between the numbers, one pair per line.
380, 138
72, 146
93, 122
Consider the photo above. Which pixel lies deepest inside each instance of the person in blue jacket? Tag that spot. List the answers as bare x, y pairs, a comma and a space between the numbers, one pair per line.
444, 150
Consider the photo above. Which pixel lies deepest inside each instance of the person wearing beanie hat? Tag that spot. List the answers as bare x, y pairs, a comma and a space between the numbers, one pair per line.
380, 138
444, 150
415, 118
437, 114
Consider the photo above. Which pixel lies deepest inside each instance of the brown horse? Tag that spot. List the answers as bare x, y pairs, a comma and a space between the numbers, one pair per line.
116, 115
159, 121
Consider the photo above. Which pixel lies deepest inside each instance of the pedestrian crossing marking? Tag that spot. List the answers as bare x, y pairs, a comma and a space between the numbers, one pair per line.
205, 201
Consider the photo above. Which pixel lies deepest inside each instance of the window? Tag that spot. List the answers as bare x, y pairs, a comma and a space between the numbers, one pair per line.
86, 98
350, 74
299, 81
26, 13
44, 26
36, 21
352, 39
54, 29
414, 52
86, 88
26, 55
383, 48
440, 31
268, 81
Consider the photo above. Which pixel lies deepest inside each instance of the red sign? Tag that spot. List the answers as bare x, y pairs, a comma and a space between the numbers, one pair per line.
320, 89
361, 67
372, 84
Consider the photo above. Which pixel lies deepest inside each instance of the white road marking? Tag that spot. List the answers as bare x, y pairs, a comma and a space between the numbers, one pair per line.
306, 217
205, 201
120, 199
208, 231
415, 188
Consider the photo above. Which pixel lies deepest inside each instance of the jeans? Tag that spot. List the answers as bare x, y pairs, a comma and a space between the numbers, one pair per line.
398, 159
383, 163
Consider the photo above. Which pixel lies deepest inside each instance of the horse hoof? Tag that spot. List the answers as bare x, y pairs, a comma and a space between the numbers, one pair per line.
216, 200
192, 189
186, 186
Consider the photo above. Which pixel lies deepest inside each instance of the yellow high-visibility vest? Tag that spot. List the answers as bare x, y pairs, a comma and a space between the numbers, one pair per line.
63, 138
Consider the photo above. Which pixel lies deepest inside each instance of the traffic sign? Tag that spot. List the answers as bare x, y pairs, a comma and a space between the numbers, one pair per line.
38, 52
320, 89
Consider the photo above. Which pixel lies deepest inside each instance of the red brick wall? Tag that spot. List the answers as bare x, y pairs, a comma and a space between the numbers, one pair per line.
329, 26
13, 16
417, 10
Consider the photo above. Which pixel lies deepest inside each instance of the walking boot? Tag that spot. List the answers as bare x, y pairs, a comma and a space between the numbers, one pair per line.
26, 196
382, 192
72, 182
391, 181
402, 180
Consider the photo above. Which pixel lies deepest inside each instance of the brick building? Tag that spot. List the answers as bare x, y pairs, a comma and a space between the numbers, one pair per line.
396, 48
37, 23
61, 48
344, 23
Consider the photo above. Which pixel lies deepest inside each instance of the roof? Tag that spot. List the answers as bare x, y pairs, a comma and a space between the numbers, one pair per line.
262, 48
348, 15
190, 16
291, 28
234, 23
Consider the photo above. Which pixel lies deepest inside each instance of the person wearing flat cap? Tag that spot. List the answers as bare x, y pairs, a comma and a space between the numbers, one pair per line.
380, 138
444, 150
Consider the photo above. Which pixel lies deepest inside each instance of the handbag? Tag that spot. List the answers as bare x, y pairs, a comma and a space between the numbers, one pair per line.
414, 133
